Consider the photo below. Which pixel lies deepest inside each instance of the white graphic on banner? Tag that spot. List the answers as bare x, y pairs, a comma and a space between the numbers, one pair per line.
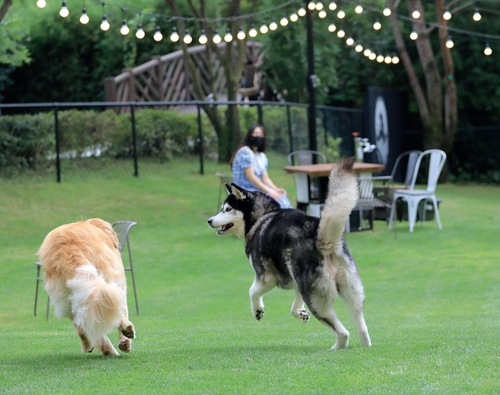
381, 129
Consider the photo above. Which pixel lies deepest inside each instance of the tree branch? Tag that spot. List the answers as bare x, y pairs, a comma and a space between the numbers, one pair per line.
4, 8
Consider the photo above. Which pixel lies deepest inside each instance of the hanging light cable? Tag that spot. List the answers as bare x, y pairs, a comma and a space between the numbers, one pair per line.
64, 12
104, 24
124, 29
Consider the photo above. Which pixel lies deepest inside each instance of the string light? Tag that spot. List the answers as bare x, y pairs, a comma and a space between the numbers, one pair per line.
124, 29
84, 18
216, 38
174, 37
449, 43
387, 10
380, 58
332, 28
477, 15
140, 32
228, 37
284, 21
341, 14
446, 14
395, 60
367, 52
387, 59
241, 34
188, 39
294, 17
372, 56
413, 35
104, 24
253, 31
322, 14
349, 41
358, 48
358, 9
273, 25
319, 5
301, 11
341, 33
264, 29
158, 36
332, 6
311, 5
416, 13
64, 12
377, 25
487, 50
203, 38
41, 3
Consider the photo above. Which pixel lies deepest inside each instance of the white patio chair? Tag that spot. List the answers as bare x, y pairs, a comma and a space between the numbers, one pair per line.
413, 196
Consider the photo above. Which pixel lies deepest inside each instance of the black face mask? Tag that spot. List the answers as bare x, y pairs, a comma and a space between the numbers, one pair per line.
257, 141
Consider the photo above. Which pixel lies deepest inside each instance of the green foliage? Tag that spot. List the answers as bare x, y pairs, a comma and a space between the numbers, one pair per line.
332, 149
13, 33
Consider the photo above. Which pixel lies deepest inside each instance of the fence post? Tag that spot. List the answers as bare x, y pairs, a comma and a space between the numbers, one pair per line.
259, 113
58, 148
200, 138
325, 125
134, 140
289, 123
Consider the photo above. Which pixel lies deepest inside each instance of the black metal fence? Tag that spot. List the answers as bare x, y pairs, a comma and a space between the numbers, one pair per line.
286, 127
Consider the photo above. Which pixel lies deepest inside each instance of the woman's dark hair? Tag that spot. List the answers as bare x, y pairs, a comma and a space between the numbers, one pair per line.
246, 141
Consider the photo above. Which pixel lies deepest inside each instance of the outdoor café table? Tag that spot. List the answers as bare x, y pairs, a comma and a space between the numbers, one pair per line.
321, 171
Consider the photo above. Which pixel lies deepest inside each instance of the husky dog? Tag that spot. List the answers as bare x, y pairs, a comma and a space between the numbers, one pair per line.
85, 280
292, 250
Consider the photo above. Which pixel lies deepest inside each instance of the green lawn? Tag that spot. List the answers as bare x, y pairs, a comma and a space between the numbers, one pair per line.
432, 308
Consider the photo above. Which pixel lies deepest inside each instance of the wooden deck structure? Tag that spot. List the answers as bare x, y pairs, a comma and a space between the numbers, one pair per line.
167, 77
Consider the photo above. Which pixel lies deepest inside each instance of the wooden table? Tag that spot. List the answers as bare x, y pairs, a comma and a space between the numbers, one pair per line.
324, 169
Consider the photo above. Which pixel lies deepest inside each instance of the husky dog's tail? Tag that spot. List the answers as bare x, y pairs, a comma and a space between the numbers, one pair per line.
97, 307
342, 197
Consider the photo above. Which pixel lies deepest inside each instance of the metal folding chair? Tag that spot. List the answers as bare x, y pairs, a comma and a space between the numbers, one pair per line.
122, 229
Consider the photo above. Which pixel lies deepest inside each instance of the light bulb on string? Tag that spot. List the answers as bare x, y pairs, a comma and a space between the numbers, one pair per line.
367, 52
158, 36
84, 18
203, 38
395, 60
341, 14
187, 38
377, 25
380, 58
332, 27
263, 28
358, 9
487, 50
322, 14
273, 25
477, 15
41, 3
104, 24
301, 11
413, 35
140, 32
416, 13
372, 56
216, 38
332, 6
446, 14
124, 29
294, 17
387, 11
64, 12
449, 43
174, 37
253, 31
358, 48
241, 34
319, 6
228, 37
341, 33
311, 5
387, 59
349, 41
283, 21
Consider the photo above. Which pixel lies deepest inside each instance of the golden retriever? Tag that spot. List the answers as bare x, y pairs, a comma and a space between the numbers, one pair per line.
85, 279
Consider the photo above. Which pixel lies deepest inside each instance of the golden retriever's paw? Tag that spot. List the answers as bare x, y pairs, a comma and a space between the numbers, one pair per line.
129, 332
125, 345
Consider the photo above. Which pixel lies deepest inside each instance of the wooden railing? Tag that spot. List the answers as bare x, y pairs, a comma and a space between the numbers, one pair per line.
167, 78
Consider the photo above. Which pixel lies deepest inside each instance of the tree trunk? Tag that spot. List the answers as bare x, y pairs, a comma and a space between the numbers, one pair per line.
4, 8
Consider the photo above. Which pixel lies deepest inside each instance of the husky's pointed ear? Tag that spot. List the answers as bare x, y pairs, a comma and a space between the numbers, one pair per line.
238, 192
228, 188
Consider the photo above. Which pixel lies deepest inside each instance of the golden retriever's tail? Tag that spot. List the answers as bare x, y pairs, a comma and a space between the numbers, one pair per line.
342, 197
97, 306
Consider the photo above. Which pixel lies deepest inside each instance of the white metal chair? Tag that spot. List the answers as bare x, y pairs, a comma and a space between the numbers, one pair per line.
122, 229
307, 192
223, 179
436, 160
38, 279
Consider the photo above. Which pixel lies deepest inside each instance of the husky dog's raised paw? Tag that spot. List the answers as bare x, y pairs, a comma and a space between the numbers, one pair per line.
304, 316
259, 314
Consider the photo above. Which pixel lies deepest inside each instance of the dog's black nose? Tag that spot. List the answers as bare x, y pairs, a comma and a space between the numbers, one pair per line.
210, 221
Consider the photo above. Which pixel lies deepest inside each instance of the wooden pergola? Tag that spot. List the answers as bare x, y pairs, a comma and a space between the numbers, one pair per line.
167, 77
